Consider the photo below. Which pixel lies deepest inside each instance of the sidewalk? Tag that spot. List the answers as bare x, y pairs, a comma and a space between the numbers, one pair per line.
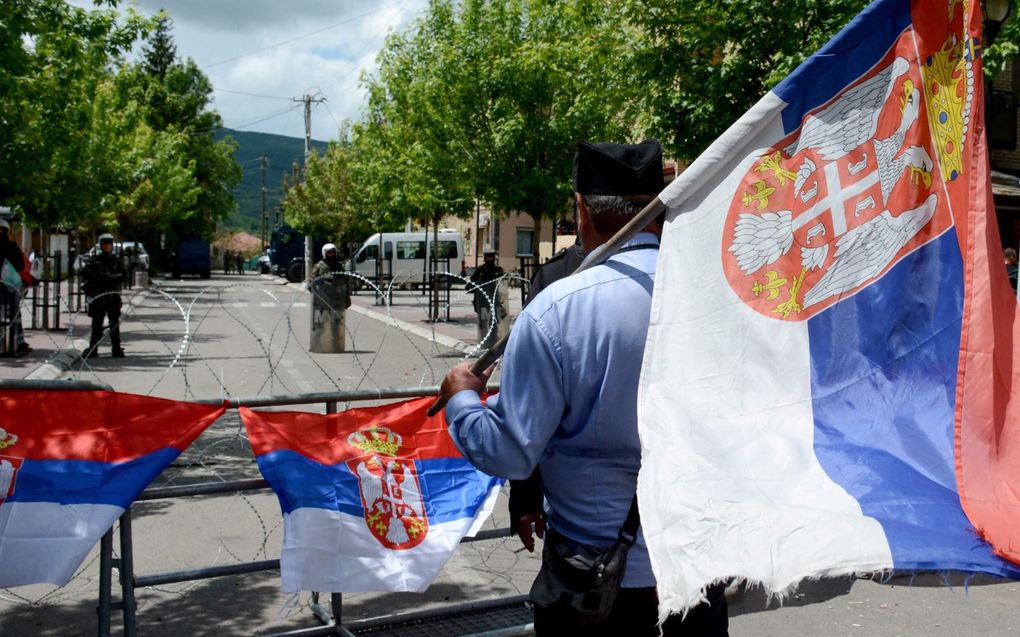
408, 310
53, 350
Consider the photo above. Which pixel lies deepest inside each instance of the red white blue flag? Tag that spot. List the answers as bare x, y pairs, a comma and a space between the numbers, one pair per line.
830, 379
71, 462
373, 499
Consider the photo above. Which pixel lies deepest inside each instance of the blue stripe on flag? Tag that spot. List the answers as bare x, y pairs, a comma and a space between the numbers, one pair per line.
890, 353
452, 488
858, 47
87, 481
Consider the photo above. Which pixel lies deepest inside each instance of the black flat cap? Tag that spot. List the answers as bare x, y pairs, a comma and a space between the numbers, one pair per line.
606, 168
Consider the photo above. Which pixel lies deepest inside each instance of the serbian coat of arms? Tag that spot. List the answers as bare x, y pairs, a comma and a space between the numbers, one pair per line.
9, 465
389, 487
860, 184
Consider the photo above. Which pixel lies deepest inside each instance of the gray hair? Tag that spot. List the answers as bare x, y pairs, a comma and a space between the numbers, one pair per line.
609, 206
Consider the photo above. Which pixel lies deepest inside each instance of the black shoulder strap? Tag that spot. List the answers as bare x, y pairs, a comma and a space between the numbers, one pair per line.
628, 532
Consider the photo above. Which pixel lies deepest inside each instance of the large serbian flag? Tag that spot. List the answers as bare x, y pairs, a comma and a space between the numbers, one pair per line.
830, 379
71, 462
373, 499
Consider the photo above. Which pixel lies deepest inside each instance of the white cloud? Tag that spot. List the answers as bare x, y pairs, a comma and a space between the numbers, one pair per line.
259, 54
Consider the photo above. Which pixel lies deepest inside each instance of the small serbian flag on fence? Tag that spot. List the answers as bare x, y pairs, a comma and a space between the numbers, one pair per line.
71, 462
374, 499
831, 375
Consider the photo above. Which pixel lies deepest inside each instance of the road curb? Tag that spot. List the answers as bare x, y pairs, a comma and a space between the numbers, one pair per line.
417, 330
63, 360
60, 362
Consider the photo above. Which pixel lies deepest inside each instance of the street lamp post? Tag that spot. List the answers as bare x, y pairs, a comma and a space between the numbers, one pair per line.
995, 14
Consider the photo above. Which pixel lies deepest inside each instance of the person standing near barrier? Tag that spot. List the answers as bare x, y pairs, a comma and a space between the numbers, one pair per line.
331, 269
568, 403
102, 278
485, 286
331, 296
11, 295
134, 263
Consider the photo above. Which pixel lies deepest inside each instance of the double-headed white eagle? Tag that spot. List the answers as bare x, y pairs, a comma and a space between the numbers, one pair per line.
833, 133
852, 120
395, 494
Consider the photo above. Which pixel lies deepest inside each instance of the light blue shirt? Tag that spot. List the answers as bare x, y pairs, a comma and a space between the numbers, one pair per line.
568, 400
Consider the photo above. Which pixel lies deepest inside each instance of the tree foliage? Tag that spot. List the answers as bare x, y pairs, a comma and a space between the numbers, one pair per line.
176, 96
52, 58
88, 141
321, 200
488, 99
704, 63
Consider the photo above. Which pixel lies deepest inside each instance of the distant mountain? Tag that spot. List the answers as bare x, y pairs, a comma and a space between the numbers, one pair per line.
281, 152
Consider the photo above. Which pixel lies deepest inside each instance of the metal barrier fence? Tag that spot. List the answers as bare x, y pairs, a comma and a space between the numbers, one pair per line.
331, 619
45, 295
10, 302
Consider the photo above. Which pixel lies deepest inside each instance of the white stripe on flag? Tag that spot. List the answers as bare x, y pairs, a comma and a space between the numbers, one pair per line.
328, 551
727, 445
46, 541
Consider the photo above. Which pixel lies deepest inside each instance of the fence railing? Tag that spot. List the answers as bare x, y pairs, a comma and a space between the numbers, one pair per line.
45, 296
331, 619
10, 305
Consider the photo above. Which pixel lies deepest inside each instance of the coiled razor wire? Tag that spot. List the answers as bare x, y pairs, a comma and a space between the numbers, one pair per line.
223, 452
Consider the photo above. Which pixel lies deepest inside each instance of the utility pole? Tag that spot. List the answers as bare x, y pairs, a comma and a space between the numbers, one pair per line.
265, 214
308, 100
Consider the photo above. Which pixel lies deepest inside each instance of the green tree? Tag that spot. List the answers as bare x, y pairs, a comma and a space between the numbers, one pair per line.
321, 199
378, 190
488, 99
703, 63
176, 96
553, 75
160, 54
424, 177
52, 58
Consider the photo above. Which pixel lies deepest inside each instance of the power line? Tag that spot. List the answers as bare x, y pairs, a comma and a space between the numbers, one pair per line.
268, 97
266, 117
331, 116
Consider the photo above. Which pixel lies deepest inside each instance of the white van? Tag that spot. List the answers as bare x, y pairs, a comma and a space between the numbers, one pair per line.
406, 256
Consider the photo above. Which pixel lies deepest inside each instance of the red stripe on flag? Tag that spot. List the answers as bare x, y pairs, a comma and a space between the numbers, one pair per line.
324, 438
99, 426
988, 383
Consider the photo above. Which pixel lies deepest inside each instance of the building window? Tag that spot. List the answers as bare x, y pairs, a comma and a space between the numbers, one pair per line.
525, 242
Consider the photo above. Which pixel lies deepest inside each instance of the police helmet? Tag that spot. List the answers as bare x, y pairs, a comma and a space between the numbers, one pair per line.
329, 247
106, 237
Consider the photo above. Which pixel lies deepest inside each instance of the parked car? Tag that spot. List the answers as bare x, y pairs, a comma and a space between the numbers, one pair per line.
407, 255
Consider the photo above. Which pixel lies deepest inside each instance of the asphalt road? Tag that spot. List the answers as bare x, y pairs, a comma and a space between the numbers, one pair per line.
245, 337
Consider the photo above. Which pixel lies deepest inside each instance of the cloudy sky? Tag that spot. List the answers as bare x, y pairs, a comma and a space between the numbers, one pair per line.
262, 54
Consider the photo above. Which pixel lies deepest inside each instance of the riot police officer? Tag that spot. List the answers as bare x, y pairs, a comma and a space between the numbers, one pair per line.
103, 275
487, 301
